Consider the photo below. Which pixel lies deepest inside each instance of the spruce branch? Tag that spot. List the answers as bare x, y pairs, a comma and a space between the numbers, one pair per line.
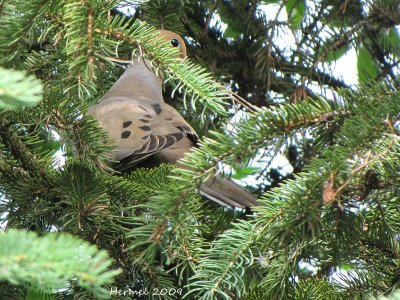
19, 150
18, 89
223, 266
25, 259
19, 22
292, 211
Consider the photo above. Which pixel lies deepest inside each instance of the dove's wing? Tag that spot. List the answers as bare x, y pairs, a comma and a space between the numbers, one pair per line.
140, 130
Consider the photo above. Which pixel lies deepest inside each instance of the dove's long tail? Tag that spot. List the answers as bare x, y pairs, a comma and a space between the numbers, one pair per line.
226, 192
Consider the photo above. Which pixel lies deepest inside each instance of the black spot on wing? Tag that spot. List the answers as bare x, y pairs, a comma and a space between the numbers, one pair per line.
125, 134
126, 124
145, 128
145, 109
147, 116
168, 119
185, 128
144, 121
157, 108
145, 137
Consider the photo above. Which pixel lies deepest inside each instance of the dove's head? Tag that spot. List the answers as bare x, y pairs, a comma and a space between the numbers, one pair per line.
175, 40
140, 81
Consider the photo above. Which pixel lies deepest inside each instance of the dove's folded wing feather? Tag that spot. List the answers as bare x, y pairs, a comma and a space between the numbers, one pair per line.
140, 130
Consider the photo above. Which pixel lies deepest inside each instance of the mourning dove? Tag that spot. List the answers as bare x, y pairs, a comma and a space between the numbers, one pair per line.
147, 132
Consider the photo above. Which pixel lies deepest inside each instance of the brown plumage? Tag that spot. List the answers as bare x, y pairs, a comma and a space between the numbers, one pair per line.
146, 131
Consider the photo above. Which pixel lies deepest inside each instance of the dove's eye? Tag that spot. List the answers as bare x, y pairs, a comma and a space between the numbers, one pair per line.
175, 42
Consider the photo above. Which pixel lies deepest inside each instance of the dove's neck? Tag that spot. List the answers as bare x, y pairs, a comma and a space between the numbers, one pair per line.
137, 83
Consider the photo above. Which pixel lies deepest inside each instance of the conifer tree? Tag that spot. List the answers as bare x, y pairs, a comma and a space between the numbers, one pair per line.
259, 89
